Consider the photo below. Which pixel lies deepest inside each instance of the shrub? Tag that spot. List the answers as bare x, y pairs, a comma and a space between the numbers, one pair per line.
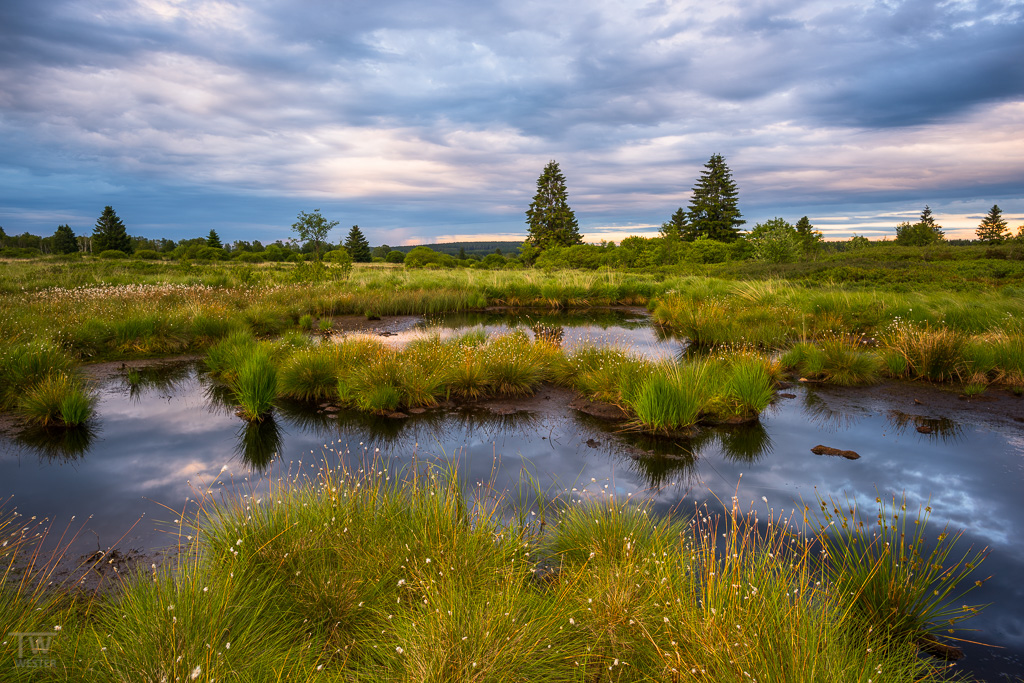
147, 255
112, 254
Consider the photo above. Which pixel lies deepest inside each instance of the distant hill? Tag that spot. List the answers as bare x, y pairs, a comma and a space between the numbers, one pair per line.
477, 249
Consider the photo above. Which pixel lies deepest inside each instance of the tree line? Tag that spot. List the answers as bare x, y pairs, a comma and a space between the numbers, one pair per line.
708, 231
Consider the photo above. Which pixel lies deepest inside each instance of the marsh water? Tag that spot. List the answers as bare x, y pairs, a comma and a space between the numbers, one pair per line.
166, 434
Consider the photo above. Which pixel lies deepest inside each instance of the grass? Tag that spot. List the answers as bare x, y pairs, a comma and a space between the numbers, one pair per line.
380, 574
256, 385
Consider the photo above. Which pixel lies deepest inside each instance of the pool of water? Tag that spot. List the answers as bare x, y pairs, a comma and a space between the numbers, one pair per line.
163, 440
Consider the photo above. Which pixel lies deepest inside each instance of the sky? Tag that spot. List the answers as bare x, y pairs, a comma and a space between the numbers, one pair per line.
431, 121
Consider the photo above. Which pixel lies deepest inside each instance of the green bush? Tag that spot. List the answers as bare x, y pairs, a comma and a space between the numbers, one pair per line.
113, 254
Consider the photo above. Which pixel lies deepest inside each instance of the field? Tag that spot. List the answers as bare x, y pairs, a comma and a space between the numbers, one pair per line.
360, 575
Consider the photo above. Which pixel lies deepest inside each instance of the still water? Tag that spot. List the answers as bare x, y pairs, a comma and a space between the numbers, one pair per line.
168, 434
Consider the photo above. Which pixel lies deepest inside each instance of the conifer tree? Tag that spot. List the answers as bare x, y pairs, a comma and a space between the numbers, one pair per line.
357, 246
552, 223
993, 228
807, 236
110, 233
677, 227
64, 240
713, 207
213, 240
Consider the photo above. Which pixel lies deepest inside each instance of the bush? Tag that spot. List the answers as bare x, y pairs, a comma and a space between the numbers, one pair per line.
211, 254
395, 256
147, 255
113, 254
250, 257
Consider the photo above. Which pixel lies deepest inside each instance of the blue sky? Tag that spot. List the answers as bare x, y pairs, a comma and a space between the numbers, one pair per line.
430, 121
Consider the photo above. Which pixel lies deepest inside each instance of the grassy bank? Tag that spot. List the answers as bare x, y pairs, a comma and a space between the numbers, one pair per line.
366, 374
380, 575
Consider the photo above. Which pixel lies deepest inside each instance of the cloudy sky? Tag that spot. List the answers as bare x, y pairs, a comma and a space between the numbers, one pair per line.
430, 121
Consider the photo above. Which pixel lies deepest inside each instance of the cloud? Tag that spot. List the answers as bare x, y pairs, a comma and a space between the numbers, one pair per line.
443, 114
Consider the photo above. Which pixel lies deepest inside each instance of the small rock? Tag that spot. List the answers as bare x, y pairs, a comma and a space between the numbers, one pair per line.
918, 402
397, 415
787, 395
828, 450
593, 443
924, 429
417, 411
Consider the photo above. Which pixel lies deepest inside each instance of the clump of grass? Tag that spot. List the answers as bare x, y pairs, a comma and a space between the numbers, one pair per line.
256, 385
834, 360
672, 396
310, 374
24, 365
513, 366
898, 584
931, 353
58, 399
749, 388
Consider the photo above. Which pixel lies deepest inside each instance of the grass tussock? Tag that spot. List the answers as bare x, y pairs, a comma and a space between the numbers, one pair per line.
380, 574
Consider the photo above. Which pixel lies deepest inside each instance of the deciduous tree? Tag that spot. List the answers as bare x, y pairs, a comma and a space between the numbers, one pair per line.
312, 227
552, 223
714, 211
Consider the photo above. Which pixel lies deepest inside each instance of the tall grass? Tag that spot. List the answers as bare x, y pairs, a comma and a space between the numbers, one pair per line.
256, 385
380, 574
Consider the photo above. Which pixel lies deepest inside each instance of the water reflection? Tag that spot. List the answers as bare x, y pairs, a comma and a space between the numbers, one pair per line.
58, 444
937, 428
153, 443
164, 378
259, 442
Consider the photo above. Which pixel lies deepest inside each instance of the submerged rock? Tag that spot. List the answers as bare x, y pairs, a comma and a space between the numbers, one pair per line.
828, 450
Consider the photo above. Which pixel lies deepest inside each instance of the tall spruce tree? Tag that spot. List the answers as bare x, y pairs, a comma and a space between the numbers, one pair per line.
110, 233
64, 240
713, 207
993, 228
357, 246
552, 223
213, 240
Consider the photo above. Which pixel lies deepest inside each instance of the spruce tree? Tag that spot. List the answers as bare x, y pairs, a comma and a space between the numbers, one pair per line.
357, 246
552, 223
677, 227
64, 240
713, 207
807, 236
993, 228
110, 233
213, 240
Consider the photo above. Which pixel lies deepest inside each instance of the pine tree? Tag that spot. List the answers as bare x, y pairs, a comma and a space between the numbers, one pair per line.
213, 240
677, 228
552, 223
64, 240
713, 207
110, 233
357, 246
993, 228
